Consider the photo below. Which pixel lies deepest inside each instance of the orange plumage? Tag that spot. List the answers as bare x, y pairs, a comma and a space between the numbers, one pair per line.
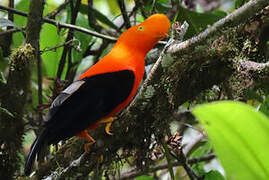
130, 50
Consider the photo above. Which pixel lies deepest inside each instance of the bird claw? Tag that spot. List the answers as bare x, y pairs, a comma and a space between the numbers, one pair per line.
109, 122
107, 128
84, 134
88, 145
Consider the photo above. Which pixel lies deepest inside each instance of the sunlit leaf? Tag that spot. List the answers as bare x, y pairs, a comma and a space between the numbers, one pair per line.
48, 39
213, 175
240, 136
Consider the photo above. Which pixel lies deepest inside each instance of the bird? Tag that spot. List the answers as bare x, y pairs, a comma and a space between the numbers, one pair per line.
101, 91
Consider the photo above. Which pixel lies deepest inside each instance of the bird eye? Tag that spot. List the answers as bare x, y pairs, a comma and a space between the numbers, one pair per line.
140, 28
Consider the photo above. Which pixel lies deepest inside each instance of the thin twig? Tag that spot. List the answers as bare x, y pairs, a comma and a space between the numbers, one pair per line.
39, 83
207, 157
140, 4
74, 13
91, 17
69, 65
63, 25
52, 14
135, 172
169, 159
180, 156
124, 13
68, 43
10, 31
68, 26
132, 13
11, 18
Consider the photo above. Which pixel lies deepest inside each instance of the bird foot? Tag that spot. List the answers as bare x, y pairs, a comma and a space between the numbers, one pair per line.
84, 134
87, 146
109, 122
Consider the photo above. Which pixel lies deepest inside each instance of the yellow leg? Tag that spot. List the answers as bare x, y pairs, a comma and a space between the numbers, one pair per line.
84, 134
109, 122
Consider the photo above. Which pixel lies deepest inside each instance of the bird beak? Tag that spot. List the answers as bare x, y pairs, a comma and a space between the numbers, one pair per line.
163, 35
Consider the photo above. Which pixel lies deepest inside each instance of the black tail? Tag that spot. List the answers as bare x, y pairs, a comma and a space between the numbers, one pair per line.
35, 149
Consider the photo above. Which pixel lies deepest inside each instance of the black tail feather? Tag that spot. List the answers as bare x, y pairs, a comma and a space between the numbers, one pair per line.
35, 149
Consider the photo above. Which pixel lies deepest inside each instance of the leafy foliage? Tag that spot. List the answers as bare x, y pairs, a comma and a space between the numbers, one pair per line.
238, 134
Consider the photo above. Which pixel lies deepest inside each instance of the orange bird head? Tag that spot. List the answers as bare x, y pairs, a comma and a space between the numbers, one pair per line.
144, 36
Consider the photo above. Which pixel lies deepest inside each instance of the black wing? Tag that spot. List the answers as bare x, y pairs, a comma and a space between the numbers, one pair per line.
85, 102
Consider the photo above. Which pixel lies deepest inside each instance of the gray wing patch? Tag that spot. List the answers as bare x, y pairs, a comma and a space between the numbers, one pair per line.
62, 97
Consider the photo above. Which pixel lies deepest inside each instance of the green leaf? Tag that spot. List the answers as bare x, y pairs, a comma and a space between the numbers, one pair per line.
48, 39
239, 135
98, 15
197, 21
20, 21
144, 178
213, 175
84, 39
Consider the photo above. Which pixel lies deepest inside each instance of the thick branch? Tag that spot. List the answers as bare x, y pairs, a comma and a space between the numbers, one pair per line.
188, 69
237, 17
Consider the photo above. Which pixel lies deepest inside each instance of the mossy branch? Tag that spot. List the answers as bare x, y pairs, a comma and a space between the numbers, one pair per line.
14, 97
187, 69
12, 105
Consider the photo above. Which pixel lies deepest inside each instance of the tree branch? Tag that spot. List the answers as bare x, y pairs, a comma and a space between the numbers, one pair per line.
124, 14
52, 14
63, 25
74, 13
135, 173
185, 71
239, 16
17, 88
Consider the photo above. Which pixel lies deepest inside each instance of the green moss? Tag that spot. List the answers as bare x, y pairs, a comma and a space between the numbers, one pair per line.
150, 91
21, 57
167, 61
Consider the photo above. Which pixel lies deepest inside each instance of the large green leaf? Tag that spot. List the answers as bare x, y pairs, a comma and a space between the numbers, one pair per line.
197, 21
240, 137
